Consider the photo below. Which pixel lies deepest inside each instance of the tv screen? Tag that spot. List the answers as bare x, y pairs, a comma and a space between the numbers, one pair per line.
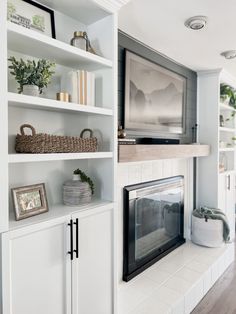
154, 97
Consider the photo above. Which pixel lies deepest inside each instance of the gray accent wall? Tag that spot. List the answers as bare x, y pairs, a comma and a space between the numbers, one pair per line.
127, 42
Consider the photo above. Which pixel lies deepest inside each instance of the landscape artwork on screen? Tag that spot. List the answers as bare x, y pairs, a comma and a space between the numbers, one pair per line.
154, 97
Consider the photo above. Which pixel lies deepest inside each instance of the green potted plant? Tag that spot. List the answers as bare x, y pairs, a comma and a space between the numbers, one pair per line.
227, 95
32, 76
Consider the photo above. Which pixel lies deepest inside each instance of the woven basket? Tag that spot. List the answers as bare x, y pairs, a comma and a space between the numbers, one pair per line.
45, 143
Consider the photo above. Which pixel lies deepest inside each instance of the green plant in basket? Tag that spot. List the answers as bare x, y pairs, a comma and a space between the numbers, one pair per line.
85, 178
31, 72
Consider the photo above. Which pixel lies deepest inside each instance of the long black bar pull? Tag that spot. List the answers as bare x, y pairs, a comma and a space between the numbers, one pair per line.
71, 252
77, 237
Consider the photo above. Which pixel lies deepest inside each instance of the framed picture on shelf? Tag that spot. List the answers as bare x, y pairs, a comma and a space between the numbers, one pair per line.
29, 200
31, 15
155, 97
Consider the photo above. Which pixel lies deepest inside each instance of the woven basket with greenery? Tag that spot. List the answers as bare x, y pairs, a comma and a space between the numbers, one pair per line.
40, 143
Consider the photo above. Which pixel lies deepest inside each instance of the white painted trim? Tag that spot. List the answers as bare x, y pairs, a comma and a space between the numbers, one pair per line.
111, 5
3, 119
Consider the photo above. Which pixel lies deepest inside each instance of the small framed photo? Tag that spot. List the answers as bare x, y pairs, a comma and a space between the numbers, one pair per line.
29, 200
31, 15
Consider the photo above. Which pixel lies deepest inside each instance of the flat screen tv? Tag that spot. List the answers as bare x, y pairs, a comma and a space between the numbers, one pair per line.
155, 97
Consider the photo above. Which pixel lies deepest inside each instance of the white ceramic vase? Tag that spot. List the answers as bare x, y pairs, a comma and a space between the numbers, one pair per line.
76, 192
31, 90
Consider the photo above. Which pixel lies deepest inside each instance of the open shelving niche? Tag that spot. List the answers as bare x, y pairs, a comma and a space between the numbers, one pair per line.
216, 189
48, 115
228, 130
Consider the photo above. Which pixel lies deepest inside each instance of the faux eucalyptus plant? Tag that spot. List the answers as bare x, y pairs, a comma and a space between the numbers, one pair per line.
31, 72
85, 178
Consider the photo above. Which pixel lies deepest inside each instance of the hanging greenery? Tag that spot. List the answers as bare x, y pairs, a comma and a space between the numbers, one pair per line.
85, 178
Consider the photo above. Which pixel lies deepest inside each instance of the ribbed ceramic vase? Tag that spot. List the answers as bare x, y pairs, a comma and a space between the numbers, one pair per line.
76, 192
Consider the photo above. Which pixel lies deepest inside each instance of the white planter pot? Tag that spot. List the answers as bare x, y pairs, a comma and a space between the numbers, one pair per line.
31, 90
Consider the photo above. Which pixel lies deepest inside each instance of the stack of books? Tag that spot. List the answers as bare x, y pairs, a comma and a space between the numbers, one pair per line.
126, 141
80, 85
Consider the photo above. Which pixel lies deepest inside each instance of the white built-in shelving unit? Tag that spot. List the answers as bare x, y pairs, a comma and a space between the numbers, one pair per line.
99, 19
48, 115
216, 188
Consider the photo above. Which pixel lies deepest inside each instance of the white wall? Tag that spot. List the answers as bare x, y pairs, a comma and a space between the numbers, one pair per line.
131, 173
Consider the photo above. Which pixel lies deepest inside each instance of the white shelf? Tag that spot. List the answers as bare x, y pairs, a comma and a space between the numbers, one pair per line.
18, 100
226, 172
226, 107
227, 149
58, 211
223, 129
23, 158
32, 43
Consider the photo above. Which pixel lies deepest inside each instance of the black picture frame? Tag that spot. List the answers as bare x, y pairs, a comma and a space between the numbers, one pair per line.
51, 12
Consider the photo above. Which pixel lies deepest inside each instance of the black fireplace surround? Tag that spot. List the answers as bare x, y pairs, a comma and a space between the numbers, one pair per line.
153, 223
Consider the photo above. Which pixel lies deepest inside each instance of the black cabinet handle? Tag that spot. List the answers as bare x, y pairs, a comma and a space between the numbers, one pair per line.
228, 183
77, 237
71, 252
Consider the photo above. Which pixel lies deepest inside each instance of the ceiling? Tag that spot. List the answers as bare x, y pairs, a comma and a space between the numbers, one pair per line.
160, 25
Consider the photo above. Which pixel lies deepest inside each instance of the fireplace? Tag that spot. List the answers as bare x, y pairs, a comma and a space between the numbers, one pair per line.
153, 222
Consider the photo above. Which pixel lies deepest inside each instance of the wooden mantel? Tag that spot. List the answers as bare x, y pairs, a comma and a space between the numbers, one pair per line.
129, 153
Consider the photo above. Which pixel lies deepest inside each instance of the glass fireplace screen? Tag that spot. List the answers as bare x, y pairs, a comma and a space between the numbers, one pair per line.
153, 222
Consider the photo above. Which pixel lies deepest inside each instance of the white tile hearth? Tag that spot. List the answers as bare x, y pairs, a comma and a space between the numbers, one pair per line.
176, 283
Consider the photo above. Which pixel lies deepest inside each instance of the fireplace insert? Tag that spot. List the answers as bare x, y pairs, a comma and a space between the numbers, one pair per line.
153, 222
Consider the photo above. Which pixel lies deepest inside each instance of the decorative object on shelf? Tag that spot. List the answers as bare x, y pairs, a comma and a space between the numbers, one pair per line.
223, 163
121, 132
155, 101
222, 144
85, 178
126, 141
227, 95
32, 15
29, 200
80, 40
45, 143
32, 76
222, 121
234, 140
78, 190
80, 85
63, 96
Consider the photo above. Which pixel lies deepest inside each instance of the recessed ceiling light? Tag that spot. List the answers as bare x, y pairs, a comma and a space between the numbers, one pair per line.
229, 54
196, 22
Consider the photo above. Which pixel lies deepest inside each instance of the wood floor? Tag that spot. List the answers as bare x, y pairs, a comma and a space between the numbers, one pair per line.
221, 299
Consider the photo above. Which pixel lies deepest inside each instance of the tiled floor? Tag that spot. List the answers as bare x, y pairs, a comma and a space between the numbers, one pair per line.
177, 282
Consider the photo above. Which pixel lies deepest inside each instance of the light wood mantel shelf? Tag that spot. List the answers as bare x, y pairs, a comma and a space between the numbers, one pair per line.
131, 153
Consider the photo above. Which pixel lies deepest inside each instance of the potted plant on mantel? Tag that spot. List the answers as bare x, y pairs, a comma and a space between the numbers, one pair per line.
32, 76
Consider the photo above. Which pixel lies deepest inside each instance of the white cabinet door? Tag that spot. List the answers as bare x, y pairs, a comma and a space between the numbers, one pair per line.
36, 269
222, 192
92, 271
230, 203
